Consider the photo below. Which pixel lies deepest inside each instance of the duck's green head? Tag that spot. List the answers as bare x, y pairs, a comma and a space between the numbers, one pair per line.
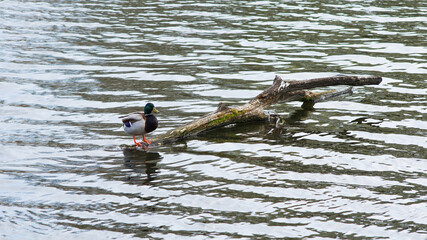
149, 108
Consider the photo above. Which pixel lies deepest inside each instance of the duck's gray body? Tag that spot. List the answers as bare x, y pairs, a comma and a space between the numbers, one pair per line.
138, 123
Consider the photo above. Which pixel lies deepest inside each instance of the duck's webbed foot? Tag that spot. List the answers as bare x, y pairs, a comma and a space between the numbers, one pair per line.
148, 142
136, 143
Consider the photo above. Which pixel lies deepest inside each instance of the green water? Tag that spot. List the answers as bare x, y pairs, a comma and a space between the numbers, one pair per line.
353, 167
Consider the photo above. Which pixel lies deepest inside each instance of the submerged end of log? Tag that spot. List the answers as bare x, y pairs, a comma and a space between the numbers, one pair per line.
223, 117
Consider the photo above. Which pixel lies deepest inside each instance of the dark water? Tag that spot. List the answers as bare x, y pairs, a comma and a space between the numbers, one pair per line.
353, 168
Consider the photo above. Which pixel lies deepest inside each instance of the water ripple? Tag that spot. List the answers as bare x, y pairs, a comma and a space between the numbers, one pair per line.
351, 168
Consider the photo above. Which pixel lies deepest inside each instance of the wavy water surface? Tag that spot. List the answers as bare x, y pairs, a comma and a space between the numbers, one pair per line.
352, 168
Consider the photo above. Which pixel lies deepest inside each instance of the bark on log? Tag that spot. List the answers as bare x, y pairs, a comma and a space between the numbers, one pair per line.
279, 91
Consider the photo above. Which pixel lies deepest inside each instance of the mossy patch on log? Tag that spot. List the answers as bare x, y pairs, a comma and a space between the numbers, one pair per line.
226, 116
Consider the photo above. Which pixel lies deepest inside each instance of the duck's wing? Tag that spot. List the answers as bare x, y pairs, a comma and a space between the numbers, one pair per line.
132, 117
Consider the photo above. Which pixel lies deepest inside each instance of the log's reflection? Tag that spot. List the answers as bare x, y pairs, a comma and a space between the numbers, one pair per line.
299, 115
143, 164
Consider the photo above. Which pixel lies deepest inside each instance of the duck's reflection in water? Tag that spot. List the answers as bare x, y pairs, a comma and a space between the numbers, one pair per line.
143, 164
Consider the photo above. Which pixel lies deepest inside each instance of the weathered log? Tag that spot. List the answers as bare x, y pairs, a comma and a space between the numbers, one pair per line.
279, 91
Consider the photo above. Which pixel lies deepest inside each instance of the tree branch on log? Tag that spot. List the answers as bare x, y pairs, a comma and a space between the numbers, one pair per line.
279, 91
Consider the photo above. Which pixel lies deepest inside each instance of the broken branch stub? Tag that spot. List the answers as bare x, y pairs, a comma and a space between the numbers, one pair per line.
279, 91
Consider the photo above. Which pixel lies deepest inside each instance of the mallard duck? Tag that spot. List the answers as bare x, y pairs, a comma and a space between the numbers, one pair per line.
140, 123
